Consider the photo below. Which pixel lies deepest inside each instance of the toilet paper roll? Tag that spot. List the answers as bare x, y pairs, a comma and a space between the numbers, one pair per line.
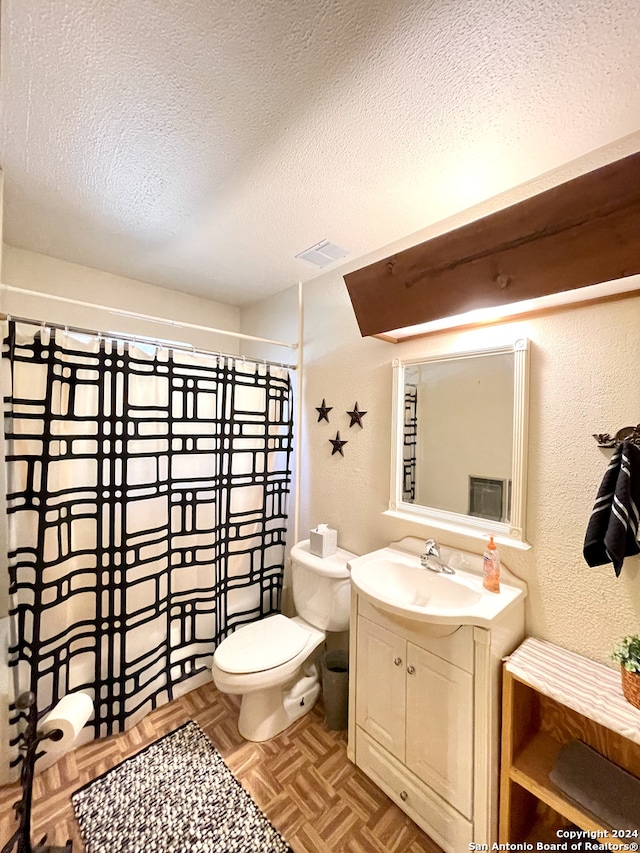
69, 715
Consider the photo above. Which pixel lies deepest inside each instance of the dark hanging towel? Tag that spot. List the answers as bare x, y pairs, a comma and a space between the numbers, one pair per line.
613, 527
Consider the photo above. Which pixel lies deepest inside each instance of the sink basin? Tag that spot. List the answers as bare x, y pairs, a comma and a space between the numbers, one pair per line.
402, 582
392, 579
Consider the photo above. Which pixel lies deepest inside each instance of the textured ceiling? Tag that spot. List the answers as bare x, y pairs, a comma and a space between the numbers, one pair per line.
201, 144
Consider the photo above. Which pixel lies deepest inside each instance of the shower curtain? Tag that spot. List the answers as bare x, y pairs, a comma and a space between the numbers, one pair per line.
409, 441
147, 505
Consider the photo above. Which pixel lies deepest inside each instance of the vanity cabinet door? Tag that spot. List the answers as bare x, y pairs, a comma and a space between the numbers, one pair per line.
380, 701
439, 731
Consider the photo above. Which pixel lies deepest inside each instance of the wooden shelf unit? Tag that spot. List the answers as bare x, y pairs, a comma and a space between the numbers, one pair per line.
550, 697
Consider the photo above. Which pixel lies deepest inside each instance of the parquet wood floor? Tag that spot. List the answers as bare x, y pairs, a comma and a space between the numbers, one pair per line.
301, 779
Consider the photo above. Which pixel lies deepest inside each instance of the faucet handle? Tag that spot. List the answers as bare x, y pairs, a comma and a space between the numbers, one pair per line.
431, 548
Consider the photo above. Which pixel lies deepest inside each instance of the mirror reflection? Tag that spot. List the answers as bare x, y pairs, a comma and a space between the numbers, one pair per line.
458, 435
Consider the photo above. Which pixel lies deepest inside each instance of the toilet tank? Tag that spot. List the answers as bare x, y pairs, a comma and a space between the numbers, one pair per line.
321, 587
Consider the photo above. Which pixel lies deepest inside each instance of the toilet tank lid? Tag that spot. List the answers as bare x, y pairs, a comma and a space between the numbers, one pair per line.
334, 566
261, 645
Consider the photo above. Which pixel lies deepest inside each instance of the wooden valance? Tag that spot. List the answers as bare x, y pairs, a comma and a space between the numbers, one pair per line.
583, 232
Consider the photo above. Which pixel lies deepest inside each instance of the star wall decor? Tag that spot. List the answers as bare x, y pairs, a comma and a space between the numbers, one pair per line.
338, 444
323, 411
356, 416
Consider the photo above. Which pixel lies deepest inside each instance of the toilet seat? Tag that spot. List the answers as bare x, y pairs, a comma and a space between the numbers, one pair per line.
261, 645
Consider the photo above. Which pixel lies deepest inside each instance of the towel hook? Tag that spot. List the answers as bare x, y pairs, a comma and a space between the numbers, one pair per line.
628, 433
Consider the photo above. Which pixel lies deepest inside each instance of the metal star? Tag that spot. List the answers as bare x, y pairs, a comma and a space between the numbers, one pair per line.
323, 411
337, 444
356, 417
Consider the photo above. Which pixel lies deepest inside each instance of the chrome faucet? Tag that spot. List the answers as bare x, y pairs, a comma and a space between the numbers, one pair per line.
432, 560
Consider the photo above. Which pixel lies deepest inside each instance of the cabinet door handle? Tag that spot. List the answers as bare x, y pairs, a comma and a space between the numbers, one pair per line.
403, 795
397, 661
411, 670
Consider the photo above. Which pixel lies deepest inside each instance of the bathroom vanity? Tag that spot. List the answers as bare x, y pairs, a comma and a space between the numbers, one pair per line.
424, 689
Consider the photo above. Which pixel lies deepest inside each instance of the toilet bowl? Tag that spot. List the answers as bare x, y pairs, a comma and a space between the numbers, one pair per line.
273, 663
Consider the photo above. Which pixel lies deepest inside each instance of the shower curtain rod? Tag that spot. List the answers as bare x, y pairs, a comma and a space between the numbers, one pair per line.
177, 323
145, 339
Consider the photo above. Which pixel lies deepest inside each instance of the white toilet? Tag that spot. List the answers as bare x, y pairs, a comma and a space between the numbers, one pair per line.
271, 663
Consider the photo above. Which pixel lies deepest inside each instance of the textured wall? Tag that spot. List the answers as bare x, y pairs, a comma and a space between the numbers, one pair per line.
583, 381
33, 271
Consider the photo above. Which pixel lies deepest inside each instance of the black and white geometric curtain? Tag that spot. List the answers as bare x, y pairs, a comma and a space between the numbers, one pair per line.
147, 509
409, 442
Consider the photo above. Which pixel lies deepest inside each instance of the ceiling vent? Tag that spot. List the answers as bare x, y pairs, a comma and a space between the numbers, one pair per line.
323, 254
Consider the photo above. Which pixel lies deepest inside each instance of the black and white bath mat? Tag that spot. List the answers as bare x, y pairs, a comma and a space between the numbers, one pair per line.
176, 796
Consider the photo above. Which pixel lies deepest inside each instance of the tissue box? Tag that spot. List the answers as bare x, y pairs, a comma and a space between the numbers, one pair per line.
323, 542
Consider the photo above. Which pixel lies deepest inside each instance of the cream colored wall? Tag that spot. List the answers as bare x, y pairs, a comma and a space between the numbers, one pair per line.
583, 381
32, 271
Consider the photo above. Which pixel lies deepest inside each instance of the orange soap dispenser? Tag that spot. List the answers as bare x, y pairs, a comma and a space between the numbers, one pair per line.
491, 568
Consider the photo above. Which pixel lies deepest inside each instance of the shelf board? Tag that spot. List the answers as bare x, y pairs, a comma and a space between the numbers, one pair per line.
587, 687
531, 771
542, 831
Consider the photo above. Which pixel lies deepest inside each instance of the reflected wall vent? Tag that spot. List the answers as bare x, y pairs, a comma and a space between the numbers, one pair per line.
323, 254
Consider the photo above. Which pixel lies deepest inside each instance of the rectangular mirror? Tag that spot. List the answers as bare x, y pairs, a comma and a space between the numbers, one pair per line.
459, 441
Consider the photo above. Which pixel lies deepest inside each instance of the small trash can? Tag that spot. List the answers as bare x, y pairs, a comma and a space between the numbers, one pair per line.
335, 688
